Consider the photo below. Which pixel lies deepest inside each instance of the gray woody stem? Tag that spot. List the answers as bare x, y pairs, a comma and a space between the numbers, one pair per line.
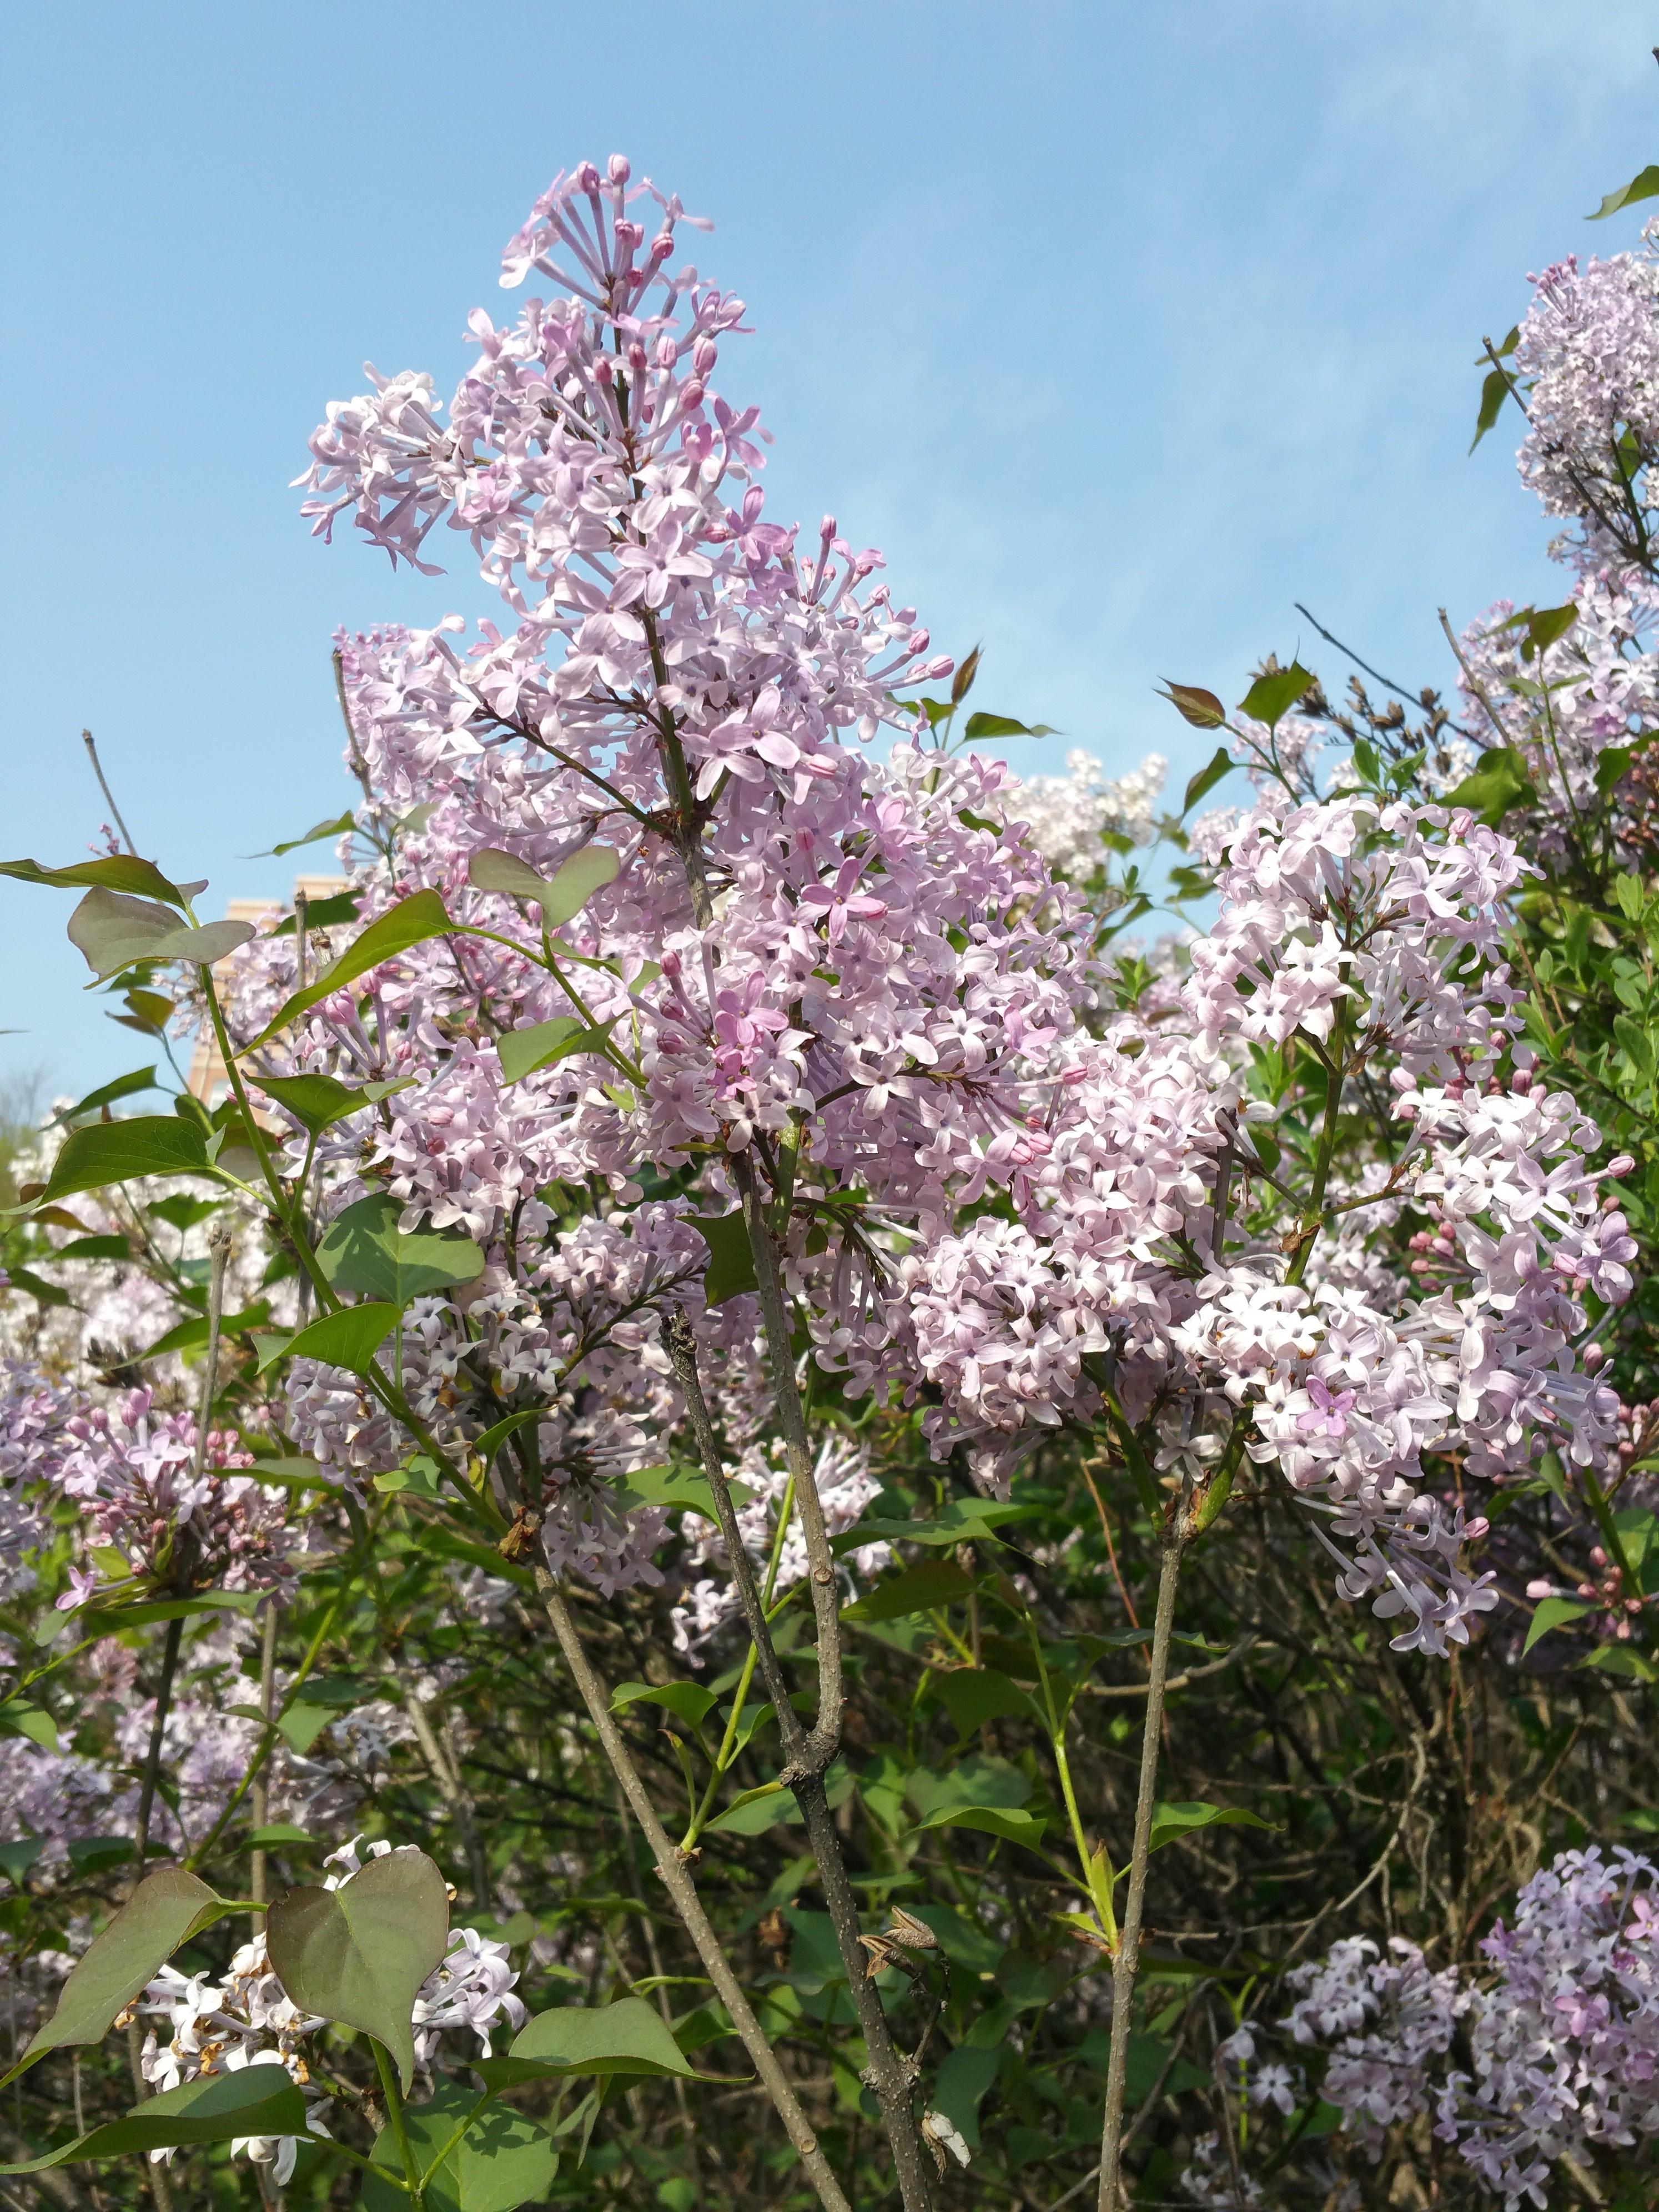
1128, 1949
887, 2074
812, 1752
820, 1746
219, 1252
260, 1795
687, 1904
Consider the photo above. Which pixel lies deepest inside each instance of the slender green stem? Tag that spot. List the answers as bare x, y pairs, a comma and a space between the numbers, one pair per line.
426, 2179
394, 2113
1129, 1951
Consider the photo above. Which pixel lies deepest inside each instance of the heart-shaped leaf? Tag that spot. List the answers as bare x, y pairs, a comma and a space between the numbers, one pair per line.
118, 1152
113, 931
316, 1102
16, 1859
19, 1717
559, 896
339, 827
688, 1700
730, 1261
359, 1953
628, 2037
348, 1338
1170, 1822
1219, 764
166, 1908
124, 1086
411, 921
1272, 696
539, 1045
503, 2159
365, 1252
118, 872
918, 1589
1008, 1821
963, 1520
974, 1695
259, 2100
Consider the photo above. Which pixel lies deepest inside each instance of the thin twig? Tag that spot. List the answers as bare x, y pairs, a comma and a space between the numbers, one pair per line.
109, 796
682, 1891
1411, 698
888, 2074
1128, 1952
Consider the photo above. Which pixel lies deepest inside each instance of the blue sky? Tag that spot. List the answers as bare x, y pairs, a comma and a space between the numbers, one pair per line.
1118, 328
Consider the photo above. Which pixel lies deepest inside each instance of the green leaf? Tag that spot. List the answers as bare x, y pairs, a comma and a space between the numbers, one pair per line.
359, 1953
165, 1911
188, 1335
16, 1859
341, 824
1552, 1612
19, 1717
540, 1043
124, 1086
1612, 766
732, 1264
675, 1487
119, 872
410, 922
628, 2037
1494, 391
95, 1855
963, 1520
1008, 1821
689, 1700
503, 2161
147, 1012
1499, 783
1642, 187
960, 2085
1271, 697
562, 895
108, 1620
320, 914
293, 1473
752, 1811
95, 1248
363, 1250
1637, 1044
255, 2100
348, 1338
1002, 725
974, 1695
112, 931
1623, 1659
918, 1589
49, 1294
1170, 1822
1627, 890
316, 1101
277, 1835
301, 1724
105, 1152
1546, 625
1220, 764
1196, 705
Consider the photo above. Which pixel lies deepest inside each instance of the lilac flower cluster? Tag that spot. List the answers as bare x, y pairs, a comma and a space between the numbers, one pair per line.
1587, 353
998, 1192
1561, 2034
